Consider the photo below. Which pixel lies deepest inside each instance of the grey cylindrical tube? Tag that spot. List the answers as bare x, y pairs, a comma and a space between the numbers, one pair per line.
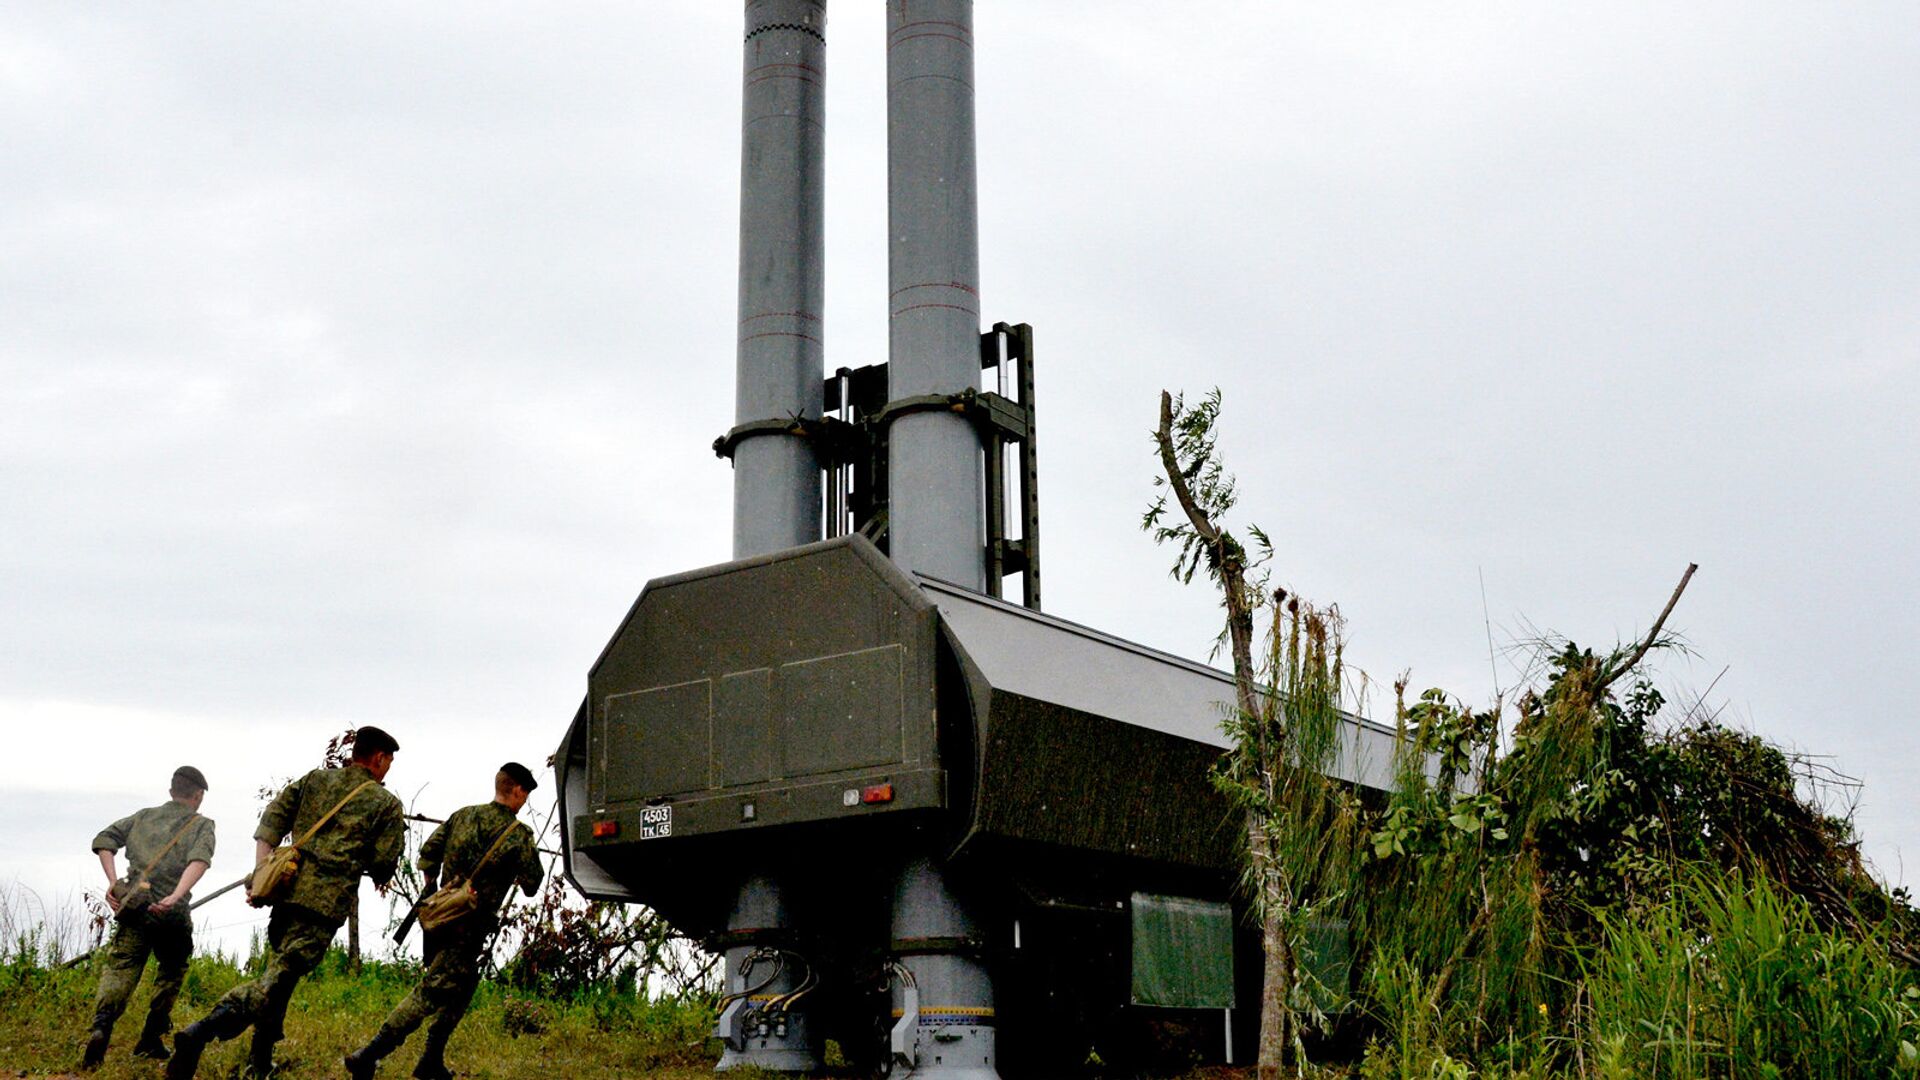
955, 1038
776, 478
760, 908
936, 523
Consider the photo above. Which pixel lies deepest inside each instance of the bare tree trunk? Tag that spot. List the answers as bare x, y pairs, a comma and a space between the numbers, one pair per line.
353, 936
1276, 982
1229, 566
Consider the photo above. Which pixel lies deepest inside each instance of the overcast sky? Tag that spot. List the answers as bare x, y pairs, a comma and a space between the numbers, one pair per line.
359, 363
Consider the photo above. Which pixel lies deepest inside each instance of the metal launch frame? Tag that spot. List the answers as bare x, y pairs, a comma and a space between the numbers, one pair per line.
916, 818
850, 443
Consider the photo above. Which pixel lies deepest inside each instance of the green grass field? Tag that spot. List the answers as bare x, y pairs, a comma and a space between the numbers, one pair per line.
44, 1015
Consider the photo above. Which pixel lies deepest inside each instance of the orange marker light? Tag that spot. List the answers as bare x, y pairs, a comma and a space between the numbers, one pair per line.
605, 828
876, 793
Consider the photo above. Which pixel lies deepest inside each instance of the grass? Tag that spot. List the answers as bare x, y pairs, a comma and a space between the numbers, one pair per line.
1733, 978
1730, 977
44, 1014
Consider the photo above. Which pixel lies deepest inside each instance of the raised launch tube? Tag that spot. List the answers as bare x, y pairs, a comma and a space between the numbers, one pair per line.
776, 478
937, 524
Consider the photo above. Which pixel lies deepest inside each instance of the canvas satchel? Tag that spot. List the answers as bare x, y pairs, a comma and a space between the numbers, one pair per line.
133, 895
272, 880
457, 899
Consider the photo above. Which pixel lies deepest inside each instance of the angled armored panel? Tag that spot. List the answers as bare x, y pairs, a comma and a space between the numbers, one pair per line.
792, 689
1094, 744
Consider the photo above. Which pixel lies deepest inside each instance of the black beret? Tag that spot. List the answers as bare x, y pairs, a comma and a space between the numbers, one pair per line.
371, 740
192, 776
520, 774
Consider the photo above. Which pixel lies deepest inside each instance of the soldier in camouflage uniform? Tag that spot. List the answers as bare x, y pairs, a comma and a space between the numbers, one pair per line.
453, 952
178, 843
364, 836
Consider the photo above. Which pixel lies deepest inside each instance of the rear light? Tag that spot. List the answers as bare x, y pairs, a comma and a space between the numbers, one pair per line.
603, 829
876, 793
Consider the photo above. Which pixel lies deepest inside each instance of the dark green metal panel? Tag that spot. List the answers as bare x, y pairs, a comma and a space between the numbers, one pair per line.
842, 712
1327, 955
1055, 775
657, 740
744, 750
809, 669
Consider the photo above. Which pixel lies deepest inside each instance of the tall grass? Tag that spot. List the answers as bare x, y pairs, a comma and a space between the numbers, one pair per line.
598, 1033
1732, 977
33, 931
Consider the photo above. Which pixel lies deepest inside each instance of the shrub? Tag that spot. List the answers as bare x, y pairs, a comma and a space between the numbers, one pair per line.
524, 1016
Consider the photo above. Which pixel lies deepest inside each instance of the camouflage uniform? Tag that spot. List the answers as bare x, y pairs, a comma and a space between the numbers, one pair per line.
365, 836
452, 953
136, 934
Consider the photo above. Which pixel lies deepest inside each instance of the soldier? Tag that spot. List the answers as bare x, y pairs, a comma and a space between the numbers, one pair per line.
479, 846
168, 848
350, 825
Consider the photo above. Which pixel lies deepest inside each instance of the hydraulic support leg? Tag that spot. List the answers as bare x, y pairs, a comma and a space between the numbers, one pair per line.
947, 986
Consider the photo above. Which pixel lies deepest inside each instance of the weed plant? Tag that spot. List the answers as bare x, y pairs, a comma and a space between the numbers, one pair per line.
1733, 977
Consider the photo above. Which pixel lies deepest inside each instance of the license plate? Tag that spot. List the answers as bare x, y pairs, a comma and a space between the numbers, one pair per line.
656, 822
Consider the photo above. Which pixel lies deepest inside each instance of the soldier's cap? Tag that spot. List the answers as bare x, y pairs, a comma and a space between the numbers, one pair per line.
370, 740
521, 775
192, 776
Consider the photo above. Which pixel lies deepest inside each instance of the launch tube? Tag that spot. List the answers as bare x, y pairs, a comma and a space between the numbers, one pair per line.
937, 525
776, 477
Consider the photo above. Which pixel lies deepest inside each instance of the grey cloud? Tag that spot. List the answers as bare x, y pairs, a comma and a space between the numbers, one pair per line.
362, 363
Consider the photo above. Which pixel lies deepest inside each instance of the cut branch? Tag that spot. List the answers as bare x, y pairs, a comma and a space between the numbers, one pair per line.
1653, 635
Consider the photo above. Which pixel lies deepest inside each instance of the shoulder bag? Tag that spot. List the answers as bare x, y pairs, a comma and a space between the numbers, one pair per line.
272, 880
456, 899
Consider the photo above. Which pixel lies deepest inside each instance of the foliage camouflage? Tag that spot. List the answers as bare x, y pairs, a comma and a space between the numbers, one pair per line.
168, 939
1572, 886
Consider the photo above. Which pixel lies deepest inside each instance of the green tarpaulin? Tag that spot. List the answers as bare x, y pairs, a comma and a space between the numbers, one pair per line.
1182, 952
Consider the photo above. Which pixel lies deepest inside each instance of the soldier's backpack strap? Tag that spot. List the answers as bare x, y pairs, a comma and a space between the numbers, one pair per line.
155, 861
337, 807
132, 893
484, 859
457, 898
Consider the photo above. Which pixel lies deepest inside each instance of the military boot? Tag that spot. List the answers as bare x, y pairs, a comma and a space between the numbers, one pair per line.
433, 1057
224, 1022
97, 1039
150, 1046
362, 1062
